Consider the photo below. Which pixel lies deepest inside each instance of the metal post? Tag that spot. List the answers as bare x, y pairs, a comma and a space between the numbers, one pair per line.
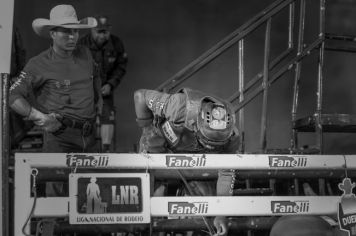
2, 228
291, 25
294, 139
6, 22
319, 127
241, 97
265, 84
5, 151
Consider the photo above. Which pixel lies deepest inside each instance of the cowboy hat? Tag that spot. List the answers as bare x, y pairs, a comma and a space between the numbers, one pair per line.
62, 16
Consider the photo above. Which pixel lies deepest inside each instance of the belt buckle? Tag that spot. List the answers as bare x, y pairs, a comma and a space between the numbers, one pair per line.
87, 128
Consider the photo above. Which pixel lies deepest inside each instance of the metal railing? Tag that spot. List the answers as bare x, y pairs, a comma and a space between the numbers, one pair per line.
273, 69
248, 165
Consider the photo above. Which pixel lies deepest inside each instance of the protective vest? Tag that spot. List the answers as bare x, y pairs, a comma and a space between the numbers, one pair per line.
183, 138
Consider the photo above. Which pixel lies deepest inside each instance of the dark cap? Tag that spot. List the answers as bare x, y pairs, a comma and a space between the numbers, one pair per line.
103, 22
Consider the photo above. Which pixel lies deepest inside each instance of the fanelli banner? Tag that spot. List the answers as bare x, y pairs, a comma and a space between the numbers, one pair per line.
287, 161
185, 160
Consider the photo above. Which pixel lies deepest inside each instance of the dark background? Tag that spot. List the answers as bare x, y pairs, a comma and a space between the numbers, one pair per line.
161, 37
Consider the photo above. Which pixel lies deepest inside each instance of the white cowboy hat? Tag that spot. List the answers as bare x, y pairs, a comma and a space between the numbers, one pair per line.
62, 16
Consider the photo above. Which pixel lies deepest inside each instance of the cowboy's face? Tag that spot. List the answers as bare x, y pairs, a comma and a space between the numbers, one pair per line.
100, 36
64, 39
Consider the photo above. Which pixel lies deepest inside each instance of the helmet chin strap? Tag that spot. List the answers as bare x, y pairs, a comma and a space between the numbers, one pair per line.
211, 145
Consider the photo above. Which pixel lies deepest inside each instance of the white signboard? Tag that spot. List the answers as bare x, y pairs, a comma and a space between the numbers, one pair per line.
109, 198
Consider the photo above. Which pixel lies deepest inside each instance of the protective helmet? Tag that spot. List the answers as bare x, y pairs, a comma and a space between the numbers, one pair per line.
216, 122
301, 225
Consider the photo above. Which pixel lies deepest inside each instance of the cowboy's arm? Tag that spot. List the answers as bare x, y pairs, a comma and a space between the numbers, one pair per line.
21, 92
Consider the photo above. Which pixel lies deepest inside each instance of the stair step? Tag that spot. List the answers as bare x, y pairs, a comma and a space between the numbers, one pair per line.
332, 123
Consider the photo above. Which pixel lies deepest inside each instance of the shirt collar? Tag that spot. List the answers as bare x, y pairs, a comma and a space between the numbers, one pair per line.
56, 56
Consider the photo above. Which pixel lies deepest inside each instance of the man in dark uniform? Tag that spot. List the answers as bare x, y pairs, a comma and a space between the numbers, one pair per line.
189, 122
109, 53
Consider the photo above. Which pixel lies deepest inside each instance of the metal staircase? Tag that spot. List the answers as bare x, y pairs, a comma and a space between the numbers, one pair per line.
291, 59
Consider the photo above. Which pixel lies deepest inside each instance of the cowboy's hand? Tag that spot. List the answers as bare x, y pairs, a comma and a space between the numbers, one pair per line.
220, 223
106, 90
47, 122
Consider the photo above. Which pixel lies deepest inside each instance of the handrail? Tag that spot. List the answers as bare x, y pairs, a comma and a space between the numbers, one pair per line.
223, 45
259, 75
273, 69
280, 72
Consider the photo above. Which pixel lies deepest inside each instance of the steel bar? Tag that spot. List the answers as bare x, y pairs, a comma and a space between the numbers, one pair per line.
167, 225
291, 24
44, 176
5, 151
331, 36
267, 50
340, 48
319, 127
241, 97
294, 138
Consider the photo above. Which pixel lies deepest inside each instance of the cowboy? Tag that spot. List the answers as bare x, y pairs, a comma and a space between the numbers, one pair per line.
58, 89
109, 53
189, 121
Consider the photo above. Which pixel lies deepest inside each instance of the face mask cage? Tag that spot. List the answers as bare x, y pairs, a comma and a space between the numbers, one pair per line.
217, 118
215, 124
